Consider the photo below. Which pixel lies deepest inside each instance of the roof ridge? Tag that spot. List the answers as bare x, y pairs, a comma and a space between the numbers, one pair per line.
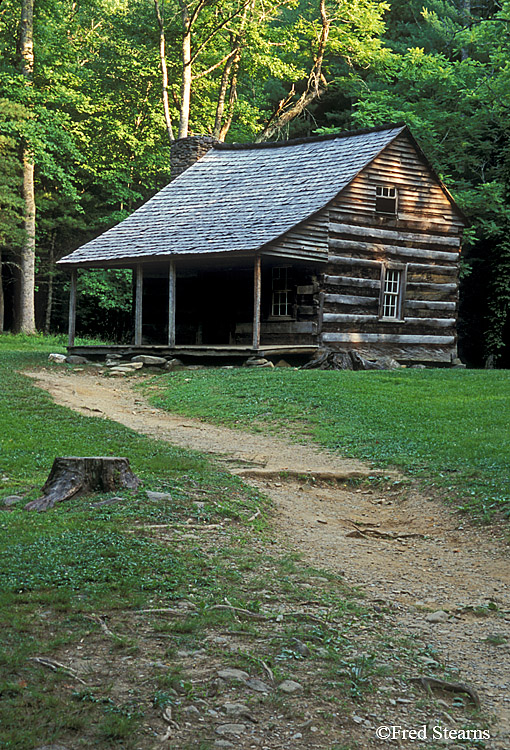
308, 139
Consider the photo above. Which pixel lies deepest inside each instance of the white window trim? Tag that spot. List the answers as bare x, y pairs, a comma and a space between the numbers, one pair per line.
400, 295
287, 291
388, 188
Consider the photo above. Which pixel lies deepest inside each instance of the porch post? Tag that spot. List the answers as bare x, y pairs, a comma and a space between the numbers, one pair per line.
72, 308
138, 304
171, 303
256, 302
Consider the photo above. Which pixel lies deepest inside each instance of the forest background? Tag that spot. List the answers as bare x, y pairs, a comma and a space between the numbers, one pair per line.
92, 93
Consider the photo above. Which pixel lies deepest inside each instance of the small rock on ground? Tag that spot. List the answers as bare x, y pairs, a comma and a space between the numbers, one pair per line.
439, 616
191, 711
237, 710
289, 686
158, 495
233, 674
59, 359
258, 685
11, 500
148, 359
236, 729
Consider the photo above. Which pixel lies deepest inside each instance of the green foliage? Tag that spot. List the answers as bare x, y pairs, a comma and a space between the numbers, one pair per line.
11, 204
95, 124
105, 307
448, 426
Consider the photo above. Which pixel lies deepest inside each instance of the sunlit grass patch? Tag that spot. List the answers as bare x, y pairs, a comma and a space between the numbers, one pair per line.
448, 427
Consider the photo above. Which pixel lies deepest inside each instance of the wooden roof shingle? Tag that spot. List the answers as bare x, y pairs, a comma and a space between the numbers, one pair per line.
237, 199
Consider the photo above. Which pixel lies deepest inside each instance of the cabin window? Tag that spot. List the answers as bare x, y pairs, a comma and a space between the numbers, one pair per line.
281, 305
386, 199
392, 292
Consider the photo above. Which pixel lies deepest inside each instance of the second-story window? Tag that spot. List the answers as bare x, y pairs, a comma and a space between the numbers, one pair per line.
386, 199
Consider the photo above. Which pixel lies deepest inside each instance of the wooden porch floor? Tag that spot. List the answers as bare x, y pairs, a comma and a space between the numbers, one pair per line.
193, 351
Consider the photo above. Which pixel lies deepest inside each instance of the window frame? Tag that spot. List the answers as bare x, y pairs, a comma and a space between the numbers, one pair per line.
399, 295
386, 187
287, 290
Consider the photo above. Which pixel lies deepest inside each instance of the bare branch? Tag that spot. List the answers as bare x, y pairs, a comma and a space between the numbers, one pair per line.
315, 86
204, 73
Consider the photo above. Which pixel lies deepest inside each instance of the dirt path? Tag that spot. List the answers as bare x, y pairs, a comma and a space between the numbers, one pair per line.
418, 559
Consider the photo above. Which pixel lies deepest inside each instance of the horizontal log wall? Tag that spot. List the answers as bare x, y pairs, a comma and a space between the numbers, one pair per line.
424, 237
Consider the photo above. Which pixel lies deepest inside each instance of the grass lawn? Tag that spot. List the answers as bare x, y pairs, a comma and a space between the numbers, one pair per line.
60, 567
450, 427
113, 614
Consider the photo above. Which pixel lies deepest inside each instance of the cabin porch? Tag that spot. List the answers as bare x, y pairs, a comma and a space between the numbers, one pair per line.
235, 307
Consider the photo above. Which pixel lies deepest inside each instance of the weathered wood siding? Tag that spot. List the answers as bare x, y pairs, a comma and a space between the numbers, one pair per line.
308, 240
421, 203
424, 236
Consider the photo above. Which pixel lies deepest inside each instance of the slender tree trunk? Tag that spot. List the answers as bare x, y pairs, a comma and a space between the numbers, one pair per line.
27, 261
465, 6
49, 297
232, 98
230, 73
316, 84
220, 107
27, 264
186, 72
164, 71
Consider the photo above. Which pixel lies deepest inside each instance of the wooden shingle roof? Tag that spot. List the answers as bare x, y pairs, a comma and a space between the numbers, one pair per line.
237, 198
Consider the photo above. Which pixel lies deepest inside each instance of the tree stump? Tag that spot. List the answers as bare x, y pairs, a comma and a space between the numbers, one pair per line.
72, 475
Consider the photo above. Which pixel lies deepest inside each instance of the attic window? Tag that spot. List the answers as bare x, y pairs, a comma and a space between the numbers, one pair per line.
386, 199
281, 303
393, 280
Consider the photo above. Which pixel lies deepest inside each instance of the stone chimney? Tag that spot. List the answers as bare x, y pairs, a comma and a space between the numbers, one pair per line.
186, 151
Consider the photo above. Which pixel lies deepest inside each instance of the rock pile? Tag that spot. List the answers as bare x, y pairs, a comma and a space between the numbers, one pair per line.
117, 366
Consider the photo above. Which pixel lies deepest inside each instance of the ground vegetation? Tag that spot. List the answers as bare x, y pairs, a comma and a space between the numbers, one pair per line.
123, 614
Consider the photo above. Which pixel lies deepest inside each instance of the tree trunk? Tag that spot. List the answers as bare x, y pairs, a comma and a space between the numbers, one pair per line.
49, 297
27, 261
220, 107
71, 476
164, 71
186, 73
232, 98
465, 6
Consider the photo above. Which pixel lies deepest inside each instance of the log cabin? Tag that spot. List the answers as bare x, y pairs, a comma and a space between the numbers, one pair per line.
349, 242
